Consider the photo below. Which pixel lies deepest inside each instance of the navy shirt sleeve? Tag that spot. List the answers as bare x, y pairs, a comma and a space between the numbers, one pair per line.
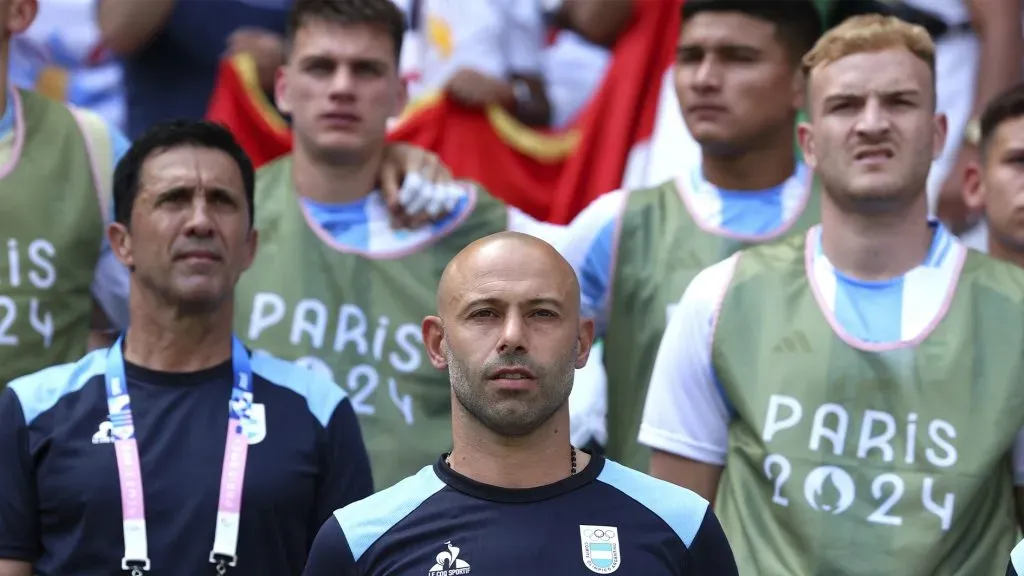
331, 554
710, 552
19, 530
347, 477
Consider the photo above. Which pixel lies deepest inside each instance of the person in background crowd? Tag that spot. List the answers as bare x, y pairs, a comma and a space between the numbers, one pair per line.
334, 284
974, 64
171, 49
577, 58
139, 423
849, 399
482, 53
740, 87
993, 186
61, 284
60, 56
514, 494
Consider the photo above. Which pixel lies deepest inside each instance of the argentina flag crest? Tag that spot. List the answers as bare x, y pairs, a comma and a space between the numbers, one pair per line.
601, 552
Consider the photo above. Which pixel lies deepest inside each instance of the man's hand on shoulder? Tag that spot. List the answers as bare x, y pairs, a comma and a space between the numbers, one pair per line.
417, 186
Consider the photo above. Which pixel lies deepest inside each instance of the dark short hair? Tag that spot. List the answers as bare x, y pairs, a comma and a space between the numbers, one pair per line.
176, 134
1008, 105
798, 23
381, 13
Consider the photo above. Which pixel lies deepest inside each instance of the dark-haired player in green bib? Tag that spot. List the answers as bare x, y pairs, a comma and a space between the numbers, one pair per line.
740, 88
334, 285
851, 399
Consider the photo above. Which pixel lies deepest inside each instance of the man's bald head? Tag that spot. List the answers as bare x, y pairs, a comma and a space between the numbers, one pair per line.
501, 255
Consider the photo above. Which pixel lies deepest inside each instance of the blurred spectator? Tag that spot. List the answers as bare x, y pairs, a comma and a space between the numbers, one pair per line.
171, 50
577, 58
974, 62
60, 56
482, 52
993, 186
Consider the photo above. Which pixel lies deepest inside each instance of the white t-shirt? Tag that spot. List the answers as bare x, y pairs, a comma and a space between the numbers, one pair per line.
494, 37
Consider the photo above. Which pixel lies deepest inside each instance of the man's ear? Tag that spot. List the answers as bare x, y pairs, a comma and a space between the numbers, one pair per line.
402, 100
805, 136
974, 187
433, 341
939, 135
281, 91
585, 342
121, 244
20, 15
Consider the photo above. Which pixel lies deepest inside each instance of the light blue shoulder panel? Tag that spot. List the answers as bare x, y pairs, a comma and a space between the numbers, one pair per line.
40, 391
322, 395
680, 508
365, 521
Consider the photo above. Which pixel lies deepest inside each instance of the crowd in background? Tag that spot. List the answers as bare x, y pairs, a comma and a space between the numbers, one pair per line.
554, 106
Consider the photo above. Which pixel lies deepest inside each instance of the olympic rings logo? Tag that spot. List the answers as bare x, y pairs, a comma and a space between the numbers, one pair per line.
604, 535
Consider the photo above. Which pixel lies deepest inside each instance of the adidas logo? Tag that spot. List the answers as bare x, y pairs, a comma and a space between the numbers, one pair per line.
795, 343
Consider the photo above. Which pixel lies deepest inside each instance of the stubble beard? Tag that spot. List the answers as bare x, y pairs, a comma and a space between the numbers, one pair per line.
512, 417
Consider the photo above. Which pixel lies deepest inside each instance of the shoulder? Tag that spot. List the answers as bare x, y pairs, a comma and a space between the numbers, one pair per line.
782, 252
321, 394
596, 224
708, 287
366, 521
476, 196
991, 273
682, 510
602, 210
41, 391
271, 172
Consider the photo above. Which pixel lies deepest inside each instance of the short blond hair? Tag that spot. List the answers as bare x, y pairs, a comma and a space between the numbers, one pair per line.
870, 33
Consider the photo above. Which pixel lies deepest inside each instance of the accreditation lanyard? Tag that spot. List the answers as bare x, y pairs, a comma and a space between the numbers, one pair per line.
225, 541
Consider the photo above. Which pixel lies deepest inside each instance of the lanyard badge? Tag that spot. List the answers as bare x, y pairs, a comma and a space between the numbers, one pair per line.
129, 467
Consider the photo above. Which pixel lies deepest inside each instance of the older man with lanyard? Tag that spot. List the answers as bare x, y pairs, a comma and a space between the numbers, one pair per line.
135, 427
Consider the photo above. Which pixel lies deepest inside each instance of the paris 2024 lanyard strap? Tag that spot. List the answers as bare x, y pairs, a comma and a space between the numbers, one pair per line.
129, 472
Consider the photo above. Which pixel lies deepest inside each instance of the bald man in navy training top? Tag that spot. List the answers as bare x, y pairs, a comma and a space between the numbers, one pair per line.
175, 452
514, 496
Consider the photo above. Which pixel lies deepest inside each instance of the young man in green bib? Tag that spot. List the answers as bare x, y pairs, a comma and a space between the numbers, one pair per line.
334, 285
740, 88
850, 398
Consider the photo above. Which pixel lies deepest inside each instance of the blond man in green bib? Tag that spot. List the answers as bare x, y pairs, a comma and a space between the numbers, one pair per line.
850, 399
